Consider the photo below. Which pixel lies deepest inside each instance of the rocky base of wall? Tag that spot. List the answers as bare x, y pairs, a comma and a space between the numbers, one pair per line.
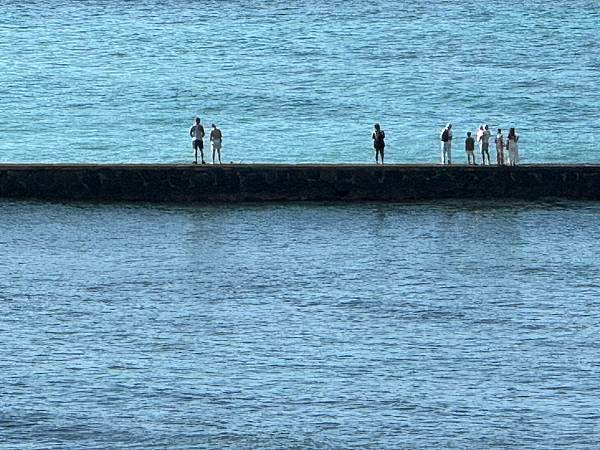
274, 182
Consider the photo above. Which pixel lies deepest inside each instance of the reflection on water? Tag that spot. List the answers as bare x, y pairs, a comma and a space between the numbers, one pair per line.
452, 324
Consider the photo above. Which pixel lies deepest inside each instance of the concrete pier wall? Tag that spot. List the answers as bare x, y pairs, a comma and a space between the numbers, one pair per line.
277, 182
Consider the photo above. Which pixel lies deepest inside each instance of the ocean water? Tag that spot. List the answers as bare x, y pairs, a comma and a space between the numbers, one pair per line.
295, 81
448, 325
424, 325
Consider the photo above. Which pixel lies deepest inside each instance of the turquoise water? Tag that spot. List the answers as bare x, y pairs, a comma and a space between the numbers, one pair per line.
437, 325
449, 325
294, 81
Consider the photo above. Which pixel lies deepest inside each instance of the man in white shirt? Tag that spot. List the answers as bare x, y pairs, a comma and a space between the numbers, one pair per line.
446, 140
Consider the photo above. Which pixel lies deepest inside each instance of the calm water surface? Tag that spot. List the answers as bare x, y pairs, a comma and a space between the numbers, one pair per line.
451, 325
295, 81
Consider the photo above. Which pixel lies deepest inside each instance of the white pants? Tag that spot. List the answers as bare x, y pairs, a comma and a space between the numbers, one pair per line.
446, 152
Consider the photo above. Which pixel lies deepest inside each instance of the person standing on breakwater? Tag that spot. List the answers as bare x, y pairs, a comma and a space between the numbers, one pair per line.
483, 137
197, 135
513, 147
446, 139
215, 142
500, 147
470, 149
378, 137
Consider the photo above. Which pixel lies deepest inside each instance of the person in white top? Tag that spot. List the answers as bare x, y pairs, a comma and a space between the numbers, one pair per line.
513, 147
500, 148
197, 134
446, 143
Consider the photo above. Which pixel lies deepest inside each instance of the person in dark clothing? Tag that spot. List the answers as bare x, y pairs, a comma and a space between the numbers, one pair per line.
470, 149
378, 142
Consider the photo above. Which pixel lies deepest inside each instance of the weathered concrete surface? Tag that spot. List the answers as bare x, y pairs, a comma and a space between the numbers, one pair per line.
278, 182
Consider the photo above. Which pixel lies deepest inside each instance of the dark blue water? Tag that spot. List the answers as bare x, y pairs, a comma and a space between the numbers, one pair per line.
450, 325
293, 81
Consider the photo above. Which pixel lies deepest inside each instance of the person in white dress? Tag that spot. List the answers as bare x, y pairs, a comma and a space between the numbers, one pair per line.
513, 147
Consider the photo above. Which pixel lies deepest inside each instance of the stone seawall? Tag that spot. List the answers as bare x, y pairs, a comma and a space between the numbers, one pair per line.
278, 182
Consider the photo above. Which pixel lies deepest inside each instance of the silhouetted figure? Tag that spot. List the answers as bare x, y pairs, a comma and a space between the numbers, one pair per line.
216, 138
500, 148
470, 149
378, 142
197, 135
446, 140
513, 147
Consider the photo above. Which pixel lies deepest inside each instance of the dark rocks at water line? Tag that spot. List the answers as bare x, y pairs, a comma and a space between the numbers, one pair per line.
306, 182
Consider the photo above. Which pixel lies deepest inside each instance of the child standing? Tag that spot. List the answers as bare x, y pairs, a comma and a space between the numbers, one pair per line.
500, 148
470, 149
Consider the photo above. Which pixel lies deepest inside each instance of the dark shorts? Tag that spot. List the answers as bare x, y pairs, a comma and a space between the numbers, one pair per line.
485, 146
379, 148
197, 145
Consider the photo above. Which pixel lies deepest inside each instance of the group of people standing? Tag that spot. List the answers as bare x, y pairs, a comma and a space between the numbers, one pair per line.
483, 137
197, 135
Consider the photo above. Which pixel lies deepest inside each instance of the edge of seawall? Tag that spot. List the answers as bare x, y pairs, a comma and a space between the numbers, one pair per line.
296, 182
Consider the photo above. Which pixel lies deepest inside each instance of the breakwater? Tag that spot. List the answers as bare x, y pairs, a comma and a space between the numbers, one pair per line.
294, 182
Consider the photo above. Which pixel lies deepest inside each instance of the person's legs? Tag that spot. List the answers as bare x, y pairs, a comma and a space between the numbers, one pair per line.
449, 154
212, 144
382, 153
443, 153
202, 152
